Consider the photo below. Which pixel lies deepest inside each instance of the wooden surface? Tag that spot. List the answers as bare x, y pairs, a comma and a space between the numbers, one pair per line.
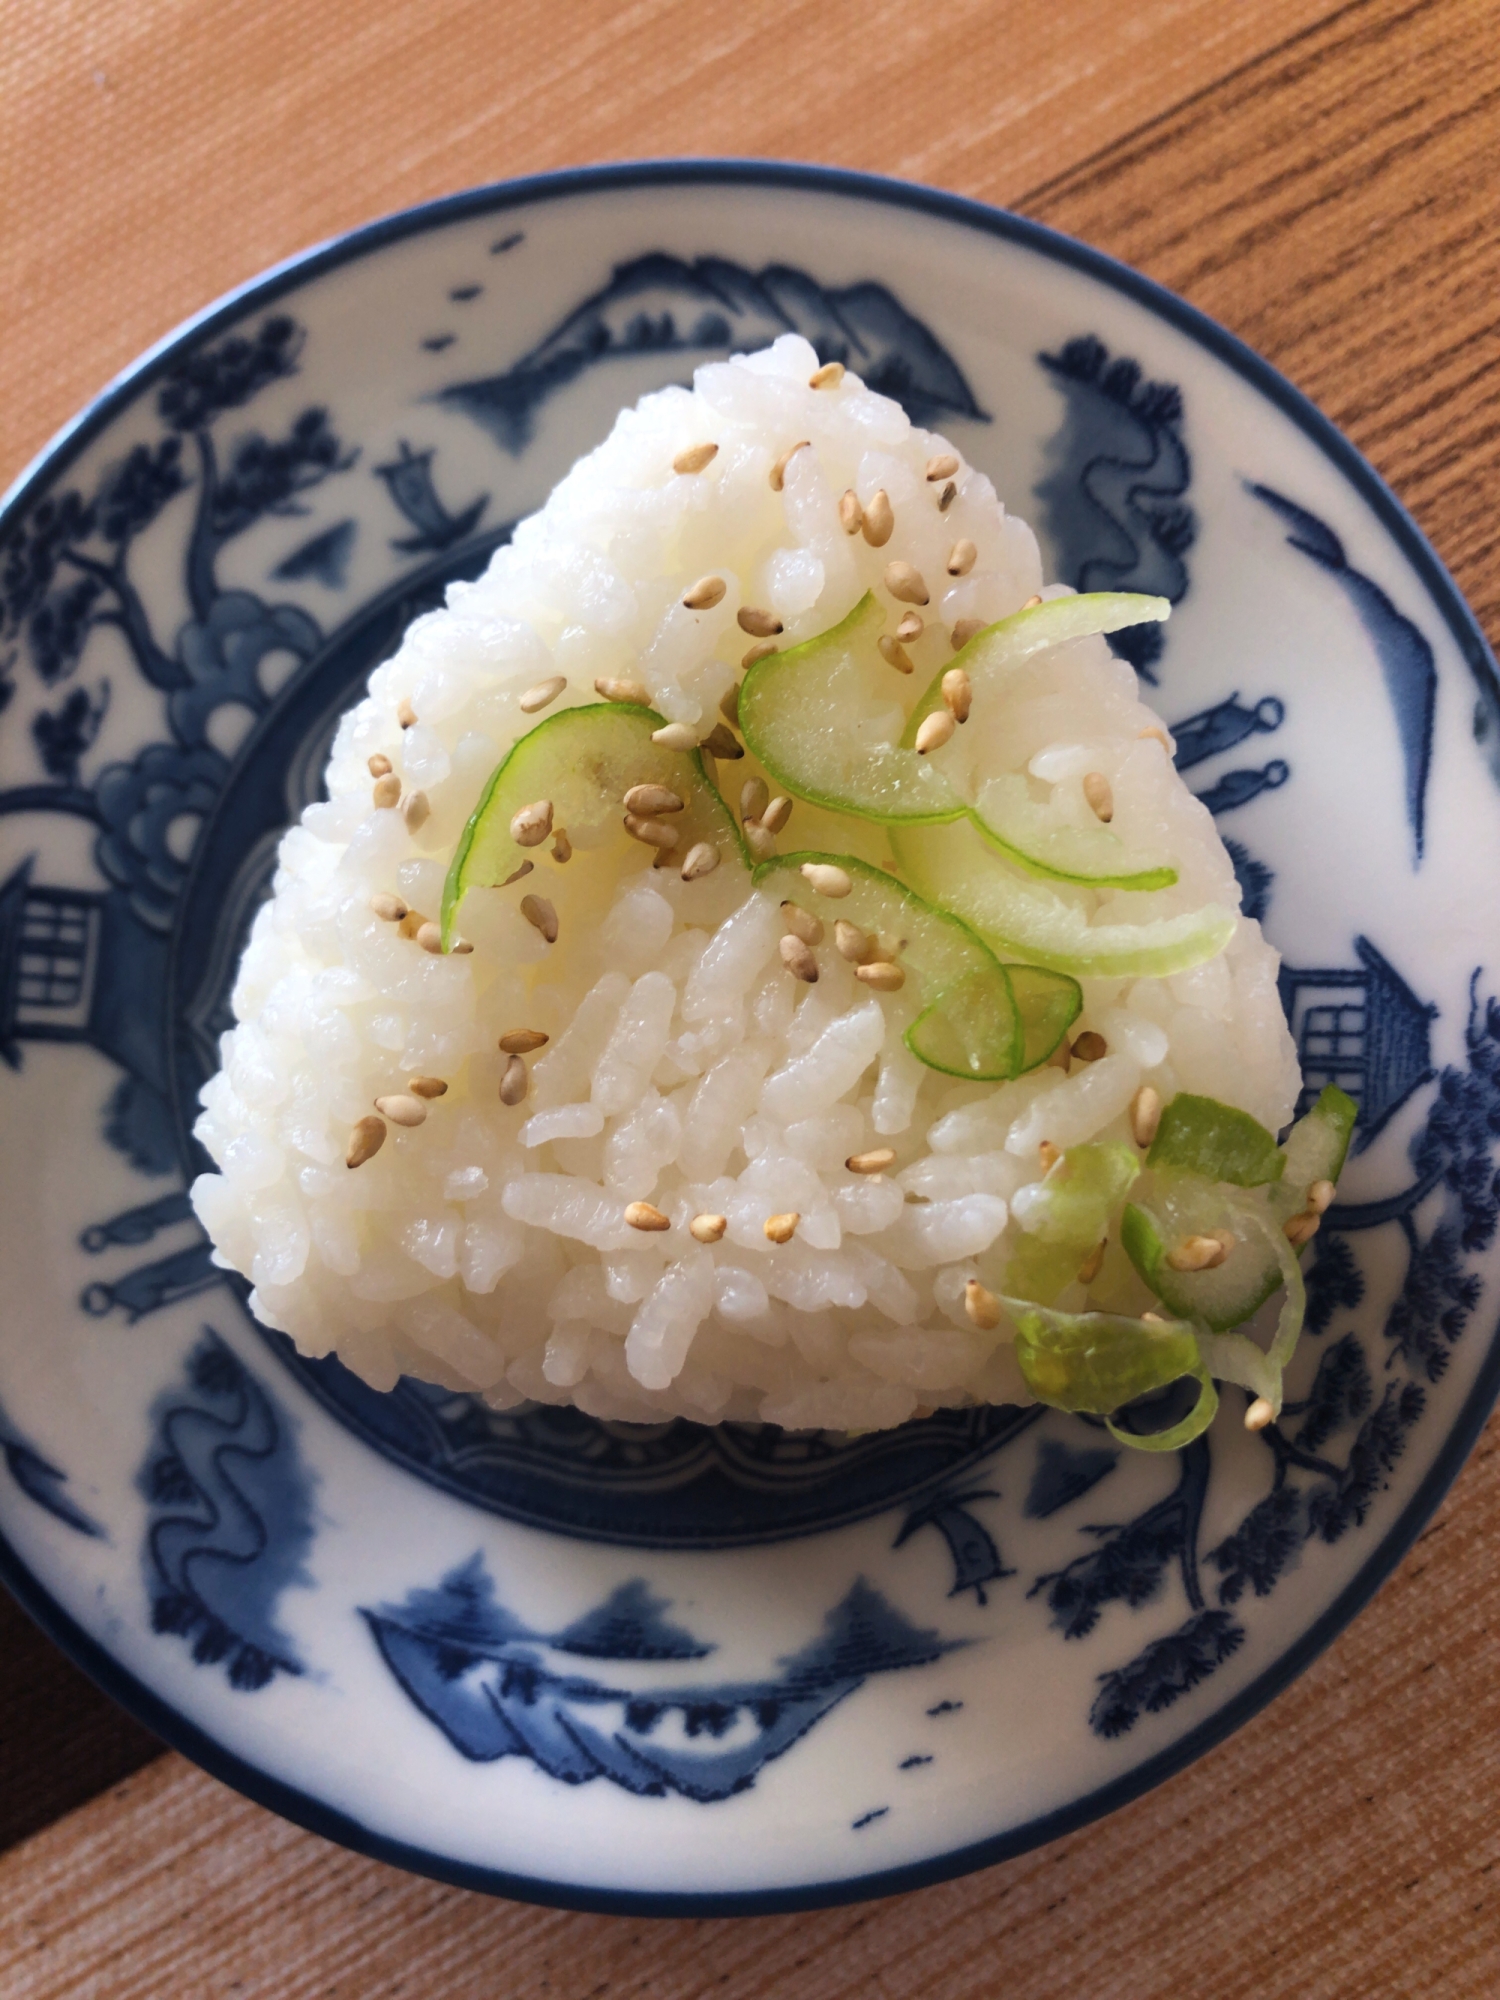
1321, 178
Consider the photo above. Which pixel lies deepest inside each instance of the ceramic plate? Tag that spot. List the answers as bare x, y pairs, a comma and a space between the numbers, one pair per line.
679, 1669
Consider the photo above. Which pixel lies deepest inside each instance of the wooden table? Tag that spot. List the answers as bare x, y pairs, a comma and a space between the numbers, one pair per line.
1323, 179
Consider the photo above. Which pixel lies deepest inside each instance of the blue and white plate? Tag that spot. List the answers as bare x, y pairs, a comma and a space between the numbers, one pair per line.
678, 1669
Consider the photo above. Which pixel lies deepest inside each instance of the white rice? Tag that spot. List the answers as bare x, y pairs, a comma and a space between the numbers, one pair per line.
487, 1249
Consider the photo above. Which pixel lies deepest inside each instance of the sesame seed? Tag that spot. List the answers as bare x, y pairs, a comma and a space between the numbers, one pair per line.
1101, 798
544, 691
802, 923
874, 1162
894, 653
760, 843
722, 742
365, 1141
695, 458
562, 847
386, 791
390, 909
621, 690
761, 650
415, 810
1145, 1114
963, 632
652, 832
755, 796
378, 765
910, 627
1032, 602
962, 557
705, 594
1259, 1414
851, 514
1153, 1319
427, 1086
958, 693
879, 523
981, 1306
778, 470
1155, 735
1089, 1047
934, 731
541, 915
782, 1228
947, 497
460, 947
1320, 1197
828, 376
707, 1228
675, 736
401, 1109
532, 824
1197, 1253
826, 878
406, 715
701, 859
776, 814
759, 624
1302, 1229
653, 799
515, 1081
904, 581
882, 975
1090, 1268
1049, 1155
522, 1041
643, 1215
798, 960
942, 467
849, 940
430, 936
518, 874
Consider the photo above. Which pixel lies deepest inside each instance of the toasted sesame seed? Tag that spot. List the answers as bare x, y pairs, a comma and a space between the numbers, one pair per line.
778, 470
958, 693
1153, 1319
522, 1041
894, 653
776, 814
643, 1215
701, 859
386, 791
652, 799
708, 1228
873, 1162
880, 973
544, 691
704, 594
1303, 1228
947, 497
761, 650
401, 1109
1100, 795
850, 941
541, 915
904, 581
653, 832
531, 825
1049, 1155
1259, 1414
613, 689
1145, 1114
981, 1306
962, 557
1089, 1046
729, 705
427, 1086
802, 923
943, 466
828, 376
722, 742
1197, 1253
460, 947
518, 874
1032, 602
759, 624
798, 960
1091, 1266
378, 765
760, 843
910, 627
934, 731
827, 878
430, 936
1320, 1197
675, 736
562, 847
755, 796
515, 1081
1155, 735
365, 1141
851, 514
415, 810
695, 457
879, 523
390, 909
782, 1228
411, 923
406, 715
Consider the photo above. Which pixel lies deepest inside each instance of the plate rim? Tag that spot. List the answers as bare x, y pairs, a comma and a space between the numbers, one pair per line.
316, 1816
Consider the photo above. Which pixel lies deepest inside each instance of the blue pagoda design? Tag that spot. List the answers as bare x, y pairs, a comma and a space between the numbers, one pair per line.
1363, 1029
